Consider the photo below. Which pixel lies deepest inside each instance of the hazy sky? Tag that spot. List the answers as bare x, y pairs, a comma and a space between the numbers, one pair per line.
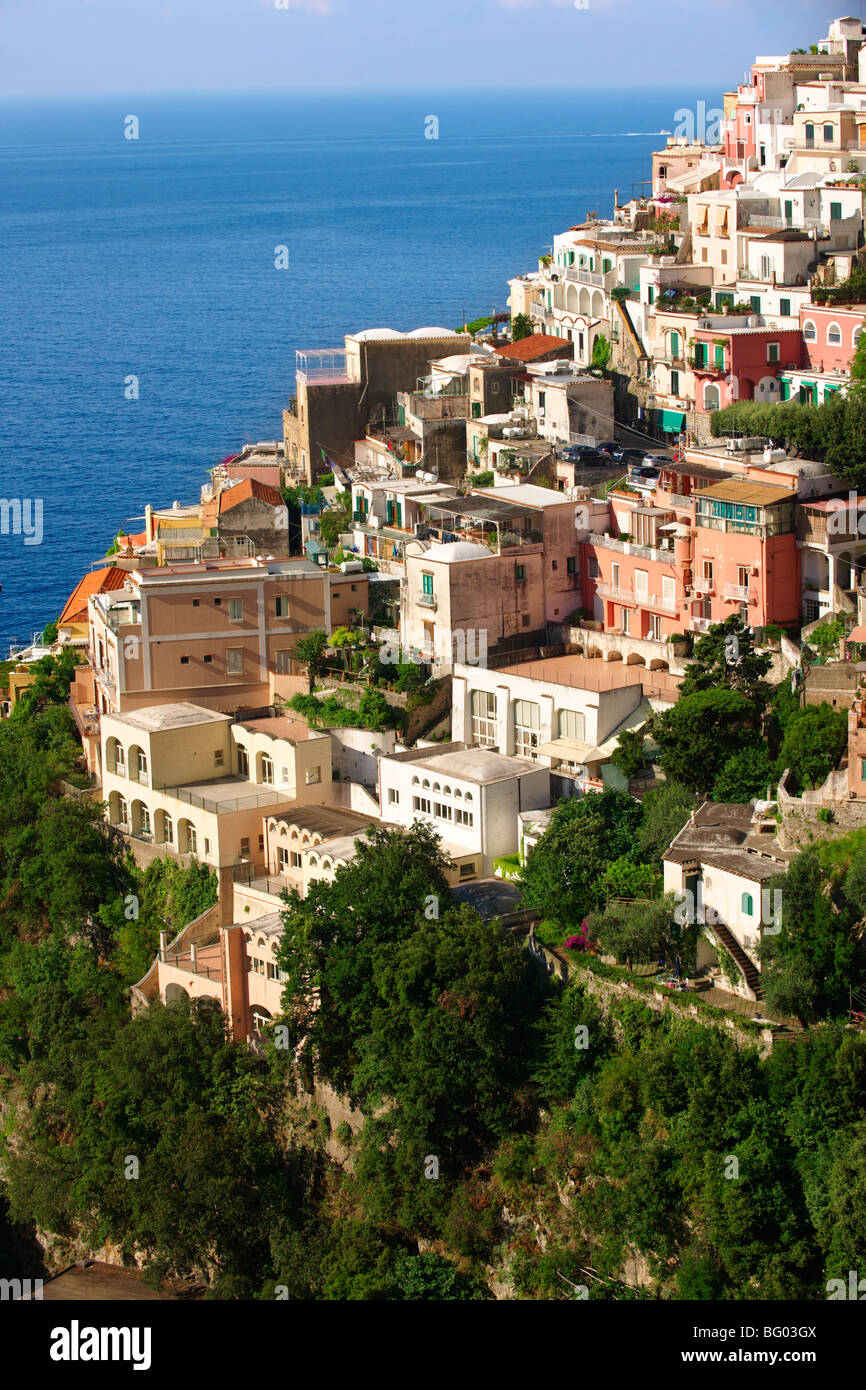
55, 47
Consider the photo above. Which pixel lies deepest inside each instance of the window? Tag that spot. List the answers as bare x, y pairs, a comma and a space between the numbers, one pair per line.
191, 840
772, 352
206, 846
724, 257
572, 725
828, 134
234, 661
208, 660
282, 859
168, 829
245, 846
267, 770
571, 564
755, 299
862, 776
243, 761
593, 569
810, 333
275, 973
283, 662
650, 294
669, 592
393, 796
217, 603
184, 661
785, 308
422, 804
122, 811
675, 383
654, 630
705, 255
281, 606
295, 860
218, 757
145, 821
312, 776
427, 584
441, 811
483, 705
519, 572
467, 870
834, 334
708, 573
236, 610
835, 212
463, 818
748, 905
625, 621
526, 725
195, 603
641, 585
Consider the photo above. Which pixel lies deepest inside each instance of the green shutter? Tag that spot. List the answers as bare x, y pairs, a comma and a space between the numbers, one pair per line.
785, 308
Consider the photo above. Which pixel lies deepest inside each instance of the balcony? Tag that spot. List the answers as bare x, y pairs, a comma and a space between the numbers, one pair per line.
617, 593
738, 593
585, 277
427, 601
717, 369
702, 585
701, 624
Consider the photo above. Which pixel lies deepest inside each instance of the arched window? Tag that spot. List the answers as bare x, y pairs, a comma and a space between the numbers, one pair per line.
834, 334
415, 781
856, 336
436, 787
748, 904
425, 785
468, 796
810, 332
446, 790
712, 398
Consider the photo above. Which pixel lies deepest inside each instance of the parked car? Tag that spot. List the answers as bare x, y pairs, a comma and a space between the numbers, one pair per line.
610, 447
632, 456
583, 454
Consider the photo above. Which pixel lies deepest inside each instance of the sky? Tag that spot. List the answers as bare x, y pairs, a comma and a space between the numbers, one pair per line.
51, 48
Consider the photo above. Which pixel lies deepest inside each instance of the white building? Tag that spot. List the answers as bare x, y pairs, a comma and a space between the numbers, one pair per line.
471, 796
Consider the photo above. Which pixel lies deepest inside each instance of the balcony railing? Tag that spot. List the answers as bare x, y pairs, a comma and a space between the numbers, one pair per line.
427, 600
617, 592
584, 277
702, 585
701, 624
739, 592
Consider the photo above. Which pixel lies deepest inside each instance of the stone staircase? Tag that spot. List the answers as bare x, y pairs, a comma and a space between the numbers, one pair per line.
750, 972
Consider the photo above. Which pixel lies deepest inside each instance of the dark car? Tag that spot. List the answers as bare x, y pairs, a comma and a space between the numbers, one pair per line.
610, 447
632, 456
583, 454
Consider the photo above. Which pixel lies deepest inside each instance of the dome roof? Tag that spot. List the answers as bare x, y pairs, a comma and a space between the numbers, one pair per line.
450, 551
431, 333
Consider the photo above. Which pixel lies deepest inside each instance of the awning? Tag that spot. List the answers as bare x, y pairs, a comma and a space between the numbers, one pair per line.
857, 634
672, 421
569, 751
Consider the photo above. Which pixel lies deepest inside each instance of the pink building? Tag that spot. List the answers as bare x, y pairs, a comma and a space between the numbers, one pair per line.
741, 364
830, 335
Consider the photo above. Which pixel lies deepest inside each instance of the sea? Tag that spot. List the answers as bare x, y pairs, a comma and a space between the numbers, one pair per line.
164, 258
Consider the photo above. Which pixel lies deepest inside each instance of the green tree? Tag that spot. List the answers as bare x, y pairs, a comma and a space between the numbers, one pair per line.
628, 756
746, 776
336, 519
726, 657
665, 811
813, 744
521, 327
809, 966
563, 876
639, 930
601, 354
701, 733
310, 649
826, 638
332, 934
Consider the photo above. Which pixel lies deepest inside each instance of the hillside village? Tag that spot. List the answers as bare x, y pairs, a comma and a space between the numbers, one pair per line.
564, 616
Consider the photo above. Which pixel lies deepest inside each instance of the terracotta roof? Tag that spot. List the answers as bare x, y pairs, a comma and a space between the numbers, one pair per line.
536, 345
250, 487
140, 538
97, 582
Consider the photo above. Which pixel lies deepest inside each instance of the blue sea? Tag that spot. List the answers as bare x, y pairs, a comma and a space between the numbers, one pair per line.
154, 258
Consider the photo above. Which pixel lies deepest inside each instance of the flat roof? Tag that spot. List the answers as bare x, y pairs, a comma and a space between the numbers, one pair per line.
479, 765
292, 730
755, 494
327, 821
526, 494
722, 835
177, 716
479, 506
591, 673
